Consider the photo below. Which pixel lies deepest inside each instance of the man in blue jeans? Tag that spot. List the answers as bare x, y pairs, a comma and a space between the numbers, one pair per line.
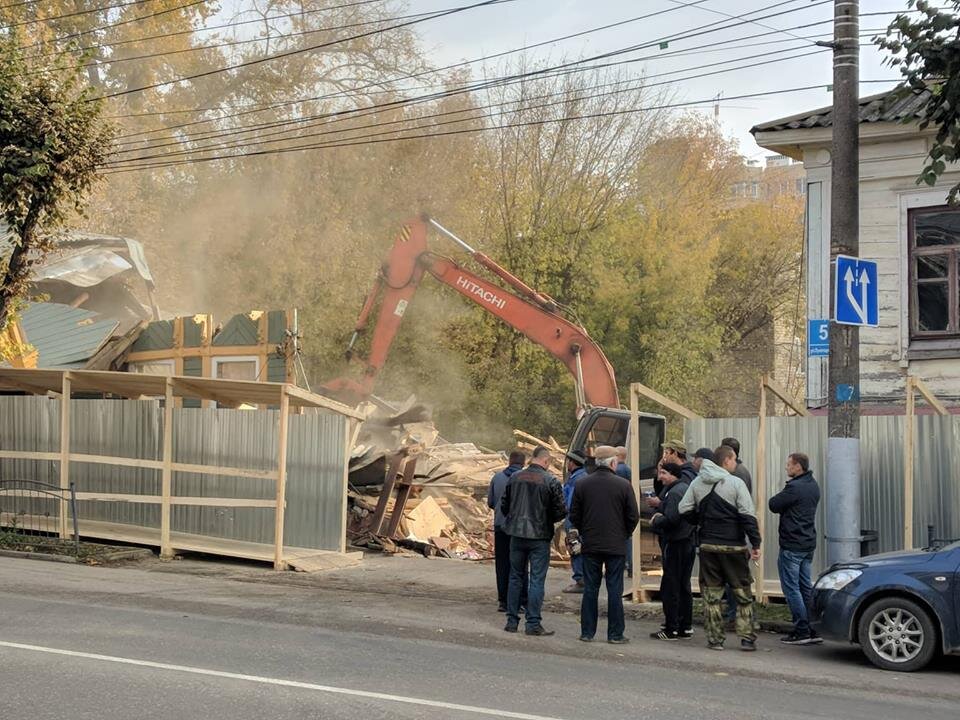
604, 511
532, 505
796, 505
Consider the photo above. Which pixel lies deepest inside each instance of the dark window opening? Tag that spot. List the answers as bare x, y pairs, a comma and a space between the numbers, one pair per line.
934, 237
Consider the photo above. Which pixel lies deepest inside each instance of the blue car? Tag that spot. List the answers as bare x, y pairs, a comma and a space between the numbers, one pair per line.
902, 608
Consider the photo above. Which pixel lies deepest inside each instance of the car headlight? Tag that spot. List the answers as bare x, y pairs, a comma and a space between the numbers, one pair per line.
838, 579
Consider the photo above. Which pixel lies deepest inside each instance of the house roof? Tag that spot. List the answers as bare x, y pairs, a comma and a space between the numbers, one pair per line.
63, 336
889, 106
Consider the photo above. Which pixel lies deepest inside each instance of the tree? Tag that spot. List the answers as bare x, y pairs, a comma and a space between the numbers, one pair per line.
51, 141
926, 48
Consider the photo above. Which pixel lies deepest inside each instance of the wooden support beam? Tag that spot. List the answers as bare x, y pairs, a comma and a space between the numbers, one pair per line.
65, 393
166, 479
781, 392
403, 494
666, 402
194, 501
278, 562
638, 593
909, 439
760, 484
921, 387
26, 455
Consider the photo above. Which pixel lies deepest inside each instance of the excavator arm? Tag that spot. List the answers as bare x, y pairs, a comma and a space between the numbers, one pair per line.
531, 313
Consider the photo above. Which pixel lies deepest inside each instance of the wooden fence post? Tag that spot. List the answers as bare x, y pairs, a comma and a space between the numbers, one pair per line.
65, 391
166, 479
760, 484
637, 594
278, 561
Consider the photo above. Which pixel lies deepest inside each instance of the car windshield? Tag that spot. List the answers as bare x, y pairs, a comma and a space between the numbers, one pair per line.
952, 546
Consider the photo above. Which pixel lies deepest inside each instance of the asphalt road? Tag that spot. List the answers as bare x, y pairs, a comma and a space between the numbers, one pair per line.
111, 644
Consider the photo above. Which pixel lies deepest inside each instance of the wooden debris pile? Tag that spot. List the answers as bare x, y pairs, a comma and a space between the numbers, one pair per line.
443, 502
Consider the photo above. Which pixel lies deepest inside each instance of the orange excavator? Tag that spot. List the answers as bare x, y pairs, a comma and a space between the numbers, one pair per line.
534, 314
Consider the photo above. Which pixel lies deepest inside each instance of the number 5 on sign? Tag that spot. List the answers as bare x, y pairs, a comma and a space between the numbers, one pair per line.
818, 338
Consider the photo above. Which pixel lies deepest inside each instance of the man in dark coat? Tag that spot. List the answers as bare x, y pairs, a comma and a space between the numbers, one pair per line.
501, 541
796, 505
604, 511
532, 505
678, 554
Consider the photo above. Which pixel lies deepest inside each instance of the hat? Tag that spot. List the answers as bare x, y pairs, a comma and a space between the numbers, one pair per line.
576, 456
672, 468
676, 446
603, 452
705, 453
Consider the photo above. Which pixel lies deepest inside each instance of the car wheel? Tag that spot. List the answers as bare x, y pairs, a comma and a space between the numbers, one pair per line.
897, 634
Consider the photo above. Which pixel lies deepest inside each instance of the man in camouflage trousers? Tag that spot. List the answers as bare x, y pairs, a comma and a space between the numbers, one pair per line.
719, 504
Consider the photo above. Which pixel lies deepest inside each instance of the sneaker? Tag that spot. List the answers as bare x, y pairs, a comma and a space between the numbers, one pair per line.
686, 634
715, 646
795, 638
814, 639
586, 638
664, 635
502, 607
748, 645
539, 631
575, 588
618, 641
510, 627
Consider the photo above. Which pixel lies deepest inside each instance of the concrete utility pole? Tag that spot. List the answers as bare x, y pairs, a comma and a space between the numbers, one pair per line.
843, 443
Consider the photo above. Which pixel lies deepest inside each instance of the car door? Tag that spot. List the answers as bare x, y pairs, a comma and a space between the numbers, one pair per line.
611, 426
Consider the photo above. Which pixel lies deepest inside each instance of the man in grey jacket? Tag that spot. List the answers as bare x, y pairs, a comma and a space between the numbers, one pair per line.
719, 504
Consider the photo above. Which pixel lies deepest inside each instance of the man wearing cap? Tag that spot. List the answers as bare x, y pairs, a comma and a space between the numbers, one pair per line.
575, 471
674, 451
604, 511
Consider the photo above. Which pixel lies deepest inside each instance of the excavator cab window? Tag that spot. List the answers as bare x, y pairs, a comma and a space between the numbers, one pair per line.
608, 426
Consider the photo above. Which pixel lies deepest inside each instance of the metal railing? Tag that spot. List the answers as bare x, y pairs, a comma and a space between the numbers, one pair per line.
30, 515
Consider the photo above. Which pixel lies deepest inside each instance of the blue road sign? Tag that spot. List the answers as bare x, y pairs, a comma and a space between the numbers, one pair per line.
855, 299
818, 338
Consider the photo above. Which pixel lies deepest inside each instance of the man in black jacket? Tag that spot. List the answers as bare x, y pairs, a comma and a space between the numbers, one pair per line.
604, 511
532, 505
796, 505
678, 556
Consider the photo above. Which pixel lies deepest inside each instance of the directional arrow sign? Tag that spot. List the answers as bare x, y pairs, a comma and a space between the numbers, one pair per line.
855, 300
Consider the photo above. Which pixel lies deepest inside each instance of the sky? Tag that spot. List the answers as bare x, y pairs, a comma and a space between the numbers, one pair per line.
488, 30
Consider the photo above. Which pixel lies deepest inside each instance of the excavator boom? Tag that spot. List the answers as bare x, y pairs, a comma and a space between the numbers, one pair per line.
531, 313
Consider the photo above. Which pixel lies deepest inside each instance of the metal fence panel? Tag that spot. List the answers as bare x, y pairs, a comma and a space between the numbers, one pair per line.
936, 472
316, 462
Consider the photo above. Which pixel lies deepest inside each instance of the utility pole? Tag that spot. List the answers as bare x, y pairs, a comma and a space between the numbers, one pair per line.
843, 442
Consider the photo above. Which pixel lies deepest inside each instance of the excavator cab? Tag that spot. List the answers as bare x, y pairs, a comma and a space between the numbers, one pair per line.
611, 426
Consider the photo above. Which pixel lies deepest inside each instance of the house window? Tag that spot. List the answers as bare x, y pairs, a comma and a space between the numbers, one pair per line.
236, 368
934, 236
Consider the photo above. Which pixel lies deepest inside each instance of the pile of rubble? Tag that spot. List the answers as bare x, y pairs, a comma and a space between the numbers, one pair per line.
441, 487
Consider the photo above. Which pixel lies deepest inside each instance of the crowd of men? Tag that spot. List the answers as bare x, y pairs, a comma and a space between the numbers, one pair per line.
701, 506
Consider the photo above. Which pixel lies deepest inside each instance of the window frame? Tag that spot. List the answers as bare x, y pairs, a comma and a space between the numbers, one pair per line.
919, 337
218, 360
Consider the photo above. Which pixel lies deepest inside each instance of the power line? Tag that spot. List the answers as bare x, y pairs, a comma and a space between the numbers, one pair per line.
290, 53
683, 35
343, 114
635, 81
209, 28
420, 74
737, 17
230, 43
76, 13
119, 23
278, 151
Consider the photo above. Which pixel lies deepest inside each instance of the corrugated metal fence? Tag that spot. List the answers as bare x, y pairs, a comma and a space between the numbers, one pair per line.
936, 472
315, 491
